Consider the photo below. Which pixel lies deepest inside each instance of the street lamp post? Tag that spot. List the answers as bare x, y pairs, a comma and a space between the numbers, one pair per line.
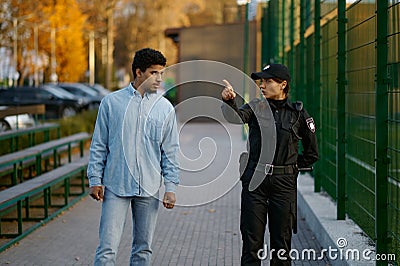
53, 75
15, 24
36, 48
91, 58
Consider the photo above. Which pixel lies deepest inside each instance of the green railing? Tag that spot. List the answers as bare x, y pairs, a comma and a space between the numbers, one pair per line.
345, 63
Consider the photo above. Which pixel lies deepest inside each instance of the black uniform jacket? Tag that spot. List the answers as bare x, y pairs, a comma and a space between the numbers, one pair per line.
292, 123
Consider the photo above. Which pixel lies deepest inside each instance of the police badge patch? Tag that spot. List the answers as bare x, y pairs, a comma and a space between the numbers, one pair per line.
311, 124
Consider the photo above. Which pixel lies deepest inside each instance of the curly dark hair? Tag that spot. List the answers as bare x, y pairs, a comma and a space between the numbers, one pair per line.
145, 58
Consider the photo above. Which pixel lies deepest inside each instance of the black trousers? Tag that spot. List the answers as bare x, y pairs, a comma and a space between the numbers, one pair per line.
275, 201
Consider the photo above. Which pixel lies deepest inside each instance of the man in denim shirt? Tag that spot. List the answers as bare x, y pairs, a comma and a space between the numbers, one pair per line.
134, 146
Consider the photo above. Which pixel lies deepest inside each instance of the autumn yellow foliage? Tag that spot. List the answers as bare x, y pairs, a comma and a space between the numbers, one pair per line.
66, 17
53, 35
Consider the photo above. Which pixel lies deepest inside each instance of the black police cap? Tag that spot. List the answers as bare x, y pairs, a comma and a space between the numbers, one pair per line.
273, 71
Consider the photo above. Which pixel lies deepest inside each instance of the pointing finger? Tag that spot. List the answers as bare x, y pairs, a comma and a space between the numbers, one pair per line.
227, 84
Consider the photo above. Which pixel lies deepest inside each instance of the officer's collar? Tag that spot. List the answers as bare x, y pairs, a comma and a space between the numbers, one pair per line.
280, 103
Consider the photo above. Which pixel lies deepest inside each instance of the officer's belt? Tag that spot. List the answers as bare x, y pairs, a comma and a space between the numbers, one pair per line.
280, 169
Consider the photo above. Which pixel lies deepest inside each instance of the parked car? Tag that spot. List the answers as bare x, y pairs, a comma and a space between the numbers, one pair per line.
16, 121
57, 105
99, 88
83, 91
83, 102
4, 125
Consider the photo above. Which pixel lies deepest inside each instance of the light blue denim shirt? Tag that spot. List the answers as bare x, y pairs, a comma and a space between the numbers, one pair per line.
135, 144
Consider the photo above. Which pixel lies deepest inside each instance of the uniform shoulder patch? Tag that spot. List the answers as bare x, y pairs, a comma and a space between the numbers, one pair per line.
311, 124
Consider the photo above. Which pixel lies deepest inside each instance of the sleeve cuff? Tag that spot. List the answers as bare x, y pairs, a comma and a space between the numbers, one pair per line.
95, 181
229, 102
170, 187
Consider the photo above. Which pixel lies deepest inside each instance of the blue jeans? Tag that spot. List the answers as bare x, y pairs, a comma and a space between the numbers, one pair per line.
114, 211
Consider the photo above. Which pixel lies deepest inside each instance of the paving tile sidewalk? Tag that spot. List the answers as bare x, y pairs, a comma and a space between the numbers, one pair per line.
203, 235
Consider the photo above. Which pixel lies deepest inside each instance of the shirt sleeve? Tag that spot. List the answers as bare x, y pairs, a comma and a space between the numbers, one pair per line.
99, 147
236, 115
309, 141
170, 153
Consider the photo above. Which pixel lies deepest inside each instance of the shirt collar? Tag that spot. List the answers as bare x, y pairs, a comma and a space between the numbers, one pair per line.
285, 103
132, 89
136, 92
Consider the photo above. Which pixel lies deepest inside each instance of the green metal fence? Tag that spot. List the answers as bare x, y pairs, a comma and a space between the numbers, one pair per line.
393, 148
345, 62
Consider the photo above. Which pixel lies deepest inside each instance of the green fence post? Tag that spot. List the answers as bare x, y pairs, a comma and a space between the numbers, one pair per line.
38, 164
381, 128
317, 84
301, 71
291, 34
19, 217
273, 30
46, 199
341, 113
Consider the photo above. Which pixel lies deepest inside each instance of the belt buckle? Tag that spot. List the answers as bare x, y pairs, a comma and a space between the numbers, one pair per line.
270, 170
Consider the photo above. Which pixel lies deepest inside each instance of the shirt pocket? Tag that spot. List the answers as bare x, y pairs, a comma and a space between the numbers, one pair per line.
153, 129
285, 130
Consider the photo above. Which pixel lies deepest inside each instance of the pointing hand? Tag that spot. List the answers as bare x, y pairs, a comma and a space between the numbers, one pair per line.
228, 93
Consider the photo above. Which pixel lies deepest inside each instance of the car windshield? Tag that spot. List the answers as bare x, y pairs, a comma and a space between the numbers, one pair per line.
99, 88
60, 93
90, 90
80, 89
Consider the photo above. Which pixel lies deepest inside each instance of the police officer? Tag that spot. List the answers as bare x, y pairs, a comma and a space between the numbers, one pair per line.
275, 196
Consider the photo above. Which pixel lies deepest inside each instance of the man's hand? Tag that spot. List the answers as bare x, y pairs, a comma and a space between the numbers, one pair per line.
96, 193
228, 93
169, 200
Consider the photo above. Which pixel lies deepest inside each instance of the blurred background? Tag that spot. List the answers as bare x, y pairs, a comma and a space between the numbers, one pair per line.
94, 41
68, 54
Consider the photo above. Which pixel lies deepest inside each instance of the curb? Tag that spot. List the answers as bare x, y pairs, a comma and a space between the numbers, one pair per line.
320, 214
